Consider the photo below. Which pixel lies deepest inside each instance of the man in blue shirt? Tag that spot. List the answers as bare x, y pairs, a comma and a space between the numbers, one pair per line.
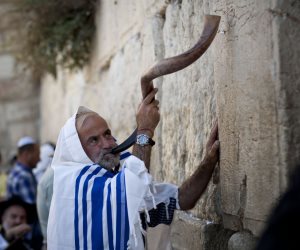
21, 181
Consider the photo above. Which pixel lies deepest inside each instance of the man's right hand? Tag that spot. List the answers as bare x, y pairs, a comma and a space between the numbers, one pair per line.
148, 115
17, 231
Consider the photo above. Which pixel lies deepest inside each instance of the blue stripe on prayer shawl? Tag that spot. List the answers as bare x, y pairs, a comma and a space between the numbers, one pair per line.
126, 219
123, 202
109, 219
124, 155
125, 222
84, 205
97, 208
122, 227
118, 215
82, 172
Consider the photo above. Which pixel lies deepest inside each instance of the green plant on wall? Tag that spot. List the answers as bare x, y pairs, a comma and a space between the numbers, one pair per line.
55, 33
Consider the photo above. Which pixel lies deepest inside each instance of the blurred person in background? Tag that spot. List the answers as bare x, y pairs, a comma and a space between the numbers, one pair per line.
43, 201
44, 175
46, 156
21, 181
281, 231
15, 232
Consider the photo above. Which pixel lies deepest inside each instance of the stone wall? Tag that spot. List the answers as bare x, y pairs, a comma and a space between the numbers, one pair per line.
248, 78
256, 107
19, 92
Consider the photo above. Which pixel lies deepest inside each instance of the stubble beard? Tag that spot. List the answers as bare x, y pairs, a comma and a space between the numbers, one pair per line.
107, 160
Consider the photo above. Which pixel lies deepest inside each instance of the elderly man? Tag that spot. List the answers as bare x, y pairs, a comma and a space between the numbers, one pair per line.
96, 204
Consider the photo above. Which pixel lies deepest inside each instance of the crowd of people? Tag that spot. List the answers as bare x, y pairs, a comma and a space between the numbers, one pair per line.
20, 226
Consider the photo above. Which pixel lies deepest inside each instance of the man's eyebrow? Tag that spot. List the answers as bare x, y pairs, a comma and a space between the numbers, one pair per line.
92, 136
107, 131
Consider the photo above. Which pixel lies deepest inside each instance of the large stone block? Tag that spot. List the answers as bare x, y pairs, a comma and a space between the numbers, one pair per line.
20, 129
18, 87
252, 156
242, 240
22, 110
190, 233
128, 19
286, 19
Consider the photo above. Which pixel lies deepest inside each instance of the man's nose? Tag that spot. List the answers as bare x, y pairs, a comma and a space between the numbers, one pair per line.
18, 220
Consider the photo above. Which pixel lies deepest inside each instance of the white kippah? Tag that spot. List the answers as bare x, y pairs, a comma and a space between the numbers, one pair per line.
26, 140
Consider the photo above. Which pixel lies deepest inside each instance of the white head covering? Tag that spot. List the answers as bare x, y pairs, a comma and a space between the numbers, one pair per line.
26, 140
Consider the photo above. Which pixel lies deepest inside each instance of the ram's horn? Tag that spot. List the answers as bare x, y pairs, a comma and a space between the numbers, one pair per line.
173, 64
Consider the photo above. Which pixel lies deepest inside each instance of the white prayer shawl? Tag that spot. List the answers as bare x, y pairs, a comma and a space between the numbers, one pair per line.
92, 208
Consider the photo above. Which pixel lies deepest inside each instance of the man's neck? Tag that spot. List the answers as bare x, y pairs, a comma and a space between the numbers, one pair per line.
23, 163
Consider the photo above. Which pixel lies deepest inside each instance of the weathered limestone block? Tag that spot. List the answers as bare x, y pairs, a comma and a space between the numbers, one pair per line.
20, 129
242, 241
60, 99
286, 19
252, 139
18, 85
20, 118
187, 102
22, 110
190, 233
127, 20
19, 93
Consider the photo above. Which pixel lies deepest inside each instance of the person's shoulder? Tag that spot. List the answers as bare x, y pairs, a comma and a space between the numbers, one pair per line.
13, 170
20, 177
14, 174
3, 242
24, 174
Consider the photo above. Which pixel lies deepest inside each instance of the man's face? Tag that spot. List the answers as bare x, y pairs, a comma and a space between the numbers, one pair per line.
14, 216
34, 156
97, 141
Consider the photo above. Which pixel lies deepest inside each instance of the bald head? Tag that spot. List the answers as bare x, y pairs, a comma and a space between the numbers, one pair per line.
82, 114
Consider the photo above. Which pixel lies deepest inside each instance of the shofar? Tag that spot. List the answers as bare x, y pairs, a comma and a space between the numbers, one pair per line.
173, 64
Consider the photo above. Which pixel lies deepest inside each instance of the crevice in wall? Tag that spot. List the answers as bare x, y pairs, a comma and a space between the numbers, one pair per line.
284, 14
243, 201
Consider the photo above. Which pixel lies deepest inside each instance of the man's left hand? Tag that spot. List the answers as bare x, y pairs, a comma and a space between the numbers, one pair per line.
212, 147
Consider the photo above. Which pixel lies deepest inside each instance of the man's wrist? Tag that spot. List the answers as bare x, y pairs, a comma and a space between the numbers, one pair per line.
146, 131
144, 140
